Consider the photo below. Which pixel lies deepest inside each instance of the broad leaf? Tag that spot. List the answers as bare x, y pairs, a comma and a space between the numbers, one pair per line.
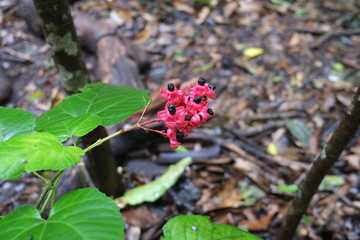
34, 152
299, 130
331, 181
109, 102
200, 228
154, 190
77, 126
15, 122
82, 214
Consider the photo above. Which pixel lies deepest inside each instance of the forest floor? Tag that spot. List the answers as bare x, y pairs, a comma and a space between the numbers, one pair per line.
285, 72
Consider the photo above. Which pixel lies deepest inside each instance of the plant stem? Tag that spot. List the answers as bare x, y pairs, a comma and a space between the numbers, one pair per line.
49, 186
101, 141
41, 177
329, 155
46, 201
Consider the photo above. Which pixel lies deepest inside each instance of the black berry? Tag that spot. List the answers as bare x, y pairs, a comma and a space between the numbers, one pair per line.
212, 86
180, 136
171, 87
187, 118
210, 111
197, 99
172, 109
201, 81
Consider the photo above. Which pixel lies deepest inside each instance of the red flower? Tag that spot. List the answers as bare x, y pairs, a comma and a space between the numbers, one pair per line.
183, 113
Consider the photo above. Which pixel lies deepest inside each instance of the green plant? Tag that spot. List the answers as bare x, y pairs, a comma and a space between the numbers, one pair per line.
29, 144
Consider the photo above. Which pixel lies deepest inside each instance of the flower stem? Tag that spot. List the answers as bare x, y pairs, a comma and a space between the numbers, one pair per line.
101, 141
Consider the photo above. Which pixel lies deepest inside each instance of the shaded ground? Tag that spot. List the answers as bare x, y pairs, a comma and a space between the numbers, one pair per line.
284, 74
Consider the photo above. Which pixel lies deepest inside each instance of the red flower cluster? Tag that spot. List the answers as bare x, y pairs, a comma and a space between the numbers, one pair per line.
184, 112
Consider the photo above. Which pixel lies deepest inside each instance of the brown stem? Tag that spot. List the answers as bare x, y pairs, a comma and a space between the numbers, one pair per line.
329, 155
60, 33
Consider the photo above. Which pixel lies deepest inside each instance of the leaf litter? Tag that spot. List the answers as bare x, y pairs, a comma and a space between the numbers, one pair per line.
284, 70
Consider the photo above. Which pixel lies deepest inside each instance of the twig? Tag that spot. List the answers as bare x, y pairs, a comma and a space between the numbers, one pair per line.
254, 130
321, 165
341, 196
273, 115
333, 33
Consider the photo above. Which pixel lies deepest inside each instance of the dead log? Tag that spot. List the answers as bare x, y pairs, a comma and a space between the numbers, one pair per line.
5, 88
119, 61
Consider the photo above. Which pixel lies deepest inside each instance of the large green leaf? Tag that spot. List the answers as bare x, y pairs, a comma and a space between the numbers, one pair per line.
299, 130
109, 102
200, 228
82, 214
34, 152
15, 122
78, 126
154, 190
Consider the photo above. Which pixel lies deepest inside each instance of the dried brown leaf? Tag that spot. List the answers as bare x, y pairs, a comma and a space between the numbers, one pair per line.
204, 13
230, 8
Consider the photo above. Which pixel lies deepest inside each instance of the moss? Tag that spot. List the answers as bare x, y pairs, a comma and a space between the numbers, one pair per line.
65, 17
350, 109
323, 154
72, 81
51, 27
64, 43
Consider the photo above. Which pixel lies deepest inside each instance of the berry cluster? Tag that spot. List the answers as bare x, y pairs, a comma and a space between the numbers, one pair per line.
184, 112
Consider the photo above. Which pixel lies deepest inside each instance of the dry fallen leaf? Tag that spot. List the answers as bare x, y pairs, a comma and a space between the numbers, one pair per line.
142, 36
183, 7
262, 223
230, 8
227, 195
204, 12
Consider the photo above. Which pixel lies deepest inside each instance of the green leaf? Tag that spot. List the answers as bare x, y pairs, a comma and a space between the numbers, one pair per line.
109, 102
250, 193
204, 68
282, 3
34, 152
179, 54
78, 126
288, 188
301, 12
154, 190
299, 130
15, 122
331, 181
338, 66
82, 214
181, 149
200, 228
307, 219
